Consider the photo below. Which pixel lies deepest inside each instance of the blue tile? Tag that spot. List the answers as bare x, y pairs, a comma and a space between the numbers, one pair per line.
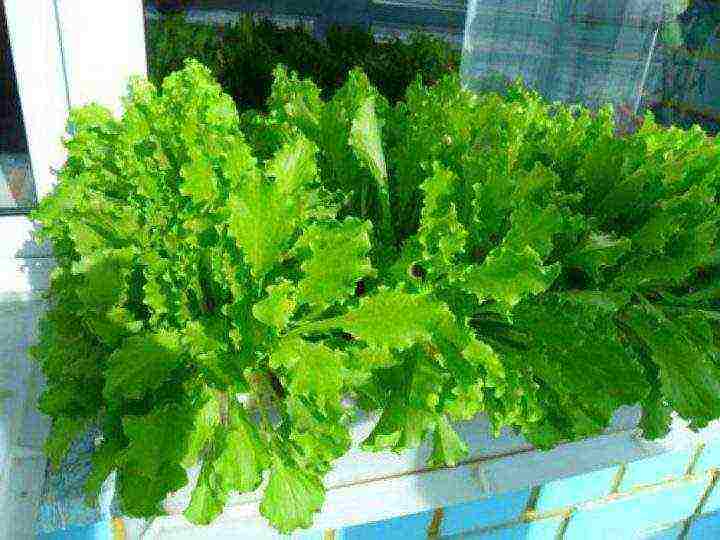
413, 527
705, 527
630, 515
576, 489
95, 531
709, 457
543, 529
484, 513
656, 469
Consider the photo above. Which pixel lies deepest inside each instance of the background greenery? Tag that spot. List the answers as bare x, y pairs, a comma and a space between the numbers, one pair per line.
243, 55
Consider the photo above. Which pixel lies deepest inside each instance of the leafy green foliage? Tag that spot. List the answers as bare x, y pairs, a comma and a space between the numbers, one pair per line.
190, 299
235, 462
292, 496
451, 255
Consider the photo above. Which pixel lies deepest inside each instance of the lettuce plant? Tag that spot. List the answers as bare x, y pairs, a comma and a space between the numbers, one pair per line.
452, 255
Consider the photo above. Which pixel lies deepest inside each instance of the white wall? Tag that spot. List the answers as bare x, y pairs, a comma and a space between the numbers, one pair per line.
103, 44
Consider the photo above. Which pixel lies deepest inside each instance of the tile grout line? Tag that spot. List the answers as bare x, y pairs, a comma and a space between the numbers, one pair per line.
612, 497
687, 522
694, 458
532, 501
529, 513
560, 534
689, 470
570, 512
617, 480
434, 527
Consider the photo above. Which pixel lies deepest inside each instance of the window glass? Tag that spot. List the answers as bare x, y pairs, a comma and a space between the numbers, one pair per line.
17, 191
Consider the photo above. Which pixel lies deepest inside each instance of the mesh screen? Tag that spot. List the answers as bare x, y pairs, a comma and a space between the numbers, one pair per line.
659, 55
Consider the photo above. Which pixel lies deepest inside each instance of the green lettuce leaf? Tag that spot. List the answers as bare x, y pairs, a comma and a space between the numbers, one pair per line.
291, 497
338, 259
128, 378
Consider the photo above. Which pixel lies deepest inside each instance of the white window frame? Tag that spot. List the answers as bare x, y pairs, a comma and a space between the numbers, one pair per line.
37, 58
66, 53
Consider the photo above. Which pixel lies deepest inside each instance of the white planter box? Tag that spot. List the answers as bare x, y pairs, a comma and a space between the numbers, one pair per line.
365, 487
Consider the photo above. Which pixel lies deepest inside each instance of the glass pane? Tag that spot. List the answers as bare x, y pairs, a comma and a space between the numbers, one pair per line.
639, 55
17, 191
580, 52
